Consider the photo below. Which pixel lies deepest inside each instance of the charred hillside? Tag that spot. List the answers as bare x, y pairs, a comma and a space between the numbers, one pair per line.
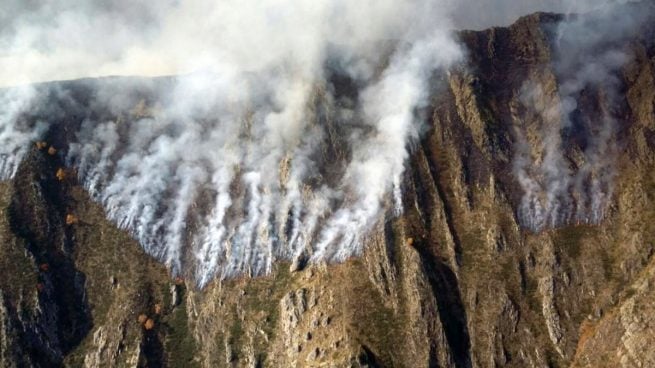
526, 237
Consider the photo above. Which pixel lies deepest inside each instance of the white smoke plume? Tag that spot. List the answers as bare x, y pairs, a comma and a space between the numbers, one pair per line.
226, 170
66, 39
283, 135
15, 133
559, 190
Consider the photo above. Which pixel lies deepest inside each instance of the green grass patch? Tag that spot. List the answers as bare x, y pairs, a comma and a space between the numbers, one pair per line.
372, 322
180, 344
570, 239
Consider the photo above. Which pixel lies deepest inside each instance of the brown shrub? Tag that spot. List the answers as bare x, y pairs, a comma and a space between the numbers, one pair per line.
61, 174
71, 219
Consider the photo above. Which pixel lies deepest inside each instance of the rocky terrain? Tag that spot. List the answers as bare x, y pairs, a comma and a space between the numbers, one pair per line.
458, 280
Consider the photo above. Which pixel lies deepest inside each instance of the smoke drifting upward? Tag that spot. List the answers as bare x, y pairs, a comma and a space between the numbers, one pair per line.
15, 134
283, 140
570, 178
284, 133
63, 39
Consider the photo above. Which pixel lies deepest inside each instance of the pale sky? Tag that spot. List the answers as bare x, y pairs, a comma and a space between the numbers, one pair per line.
69, 39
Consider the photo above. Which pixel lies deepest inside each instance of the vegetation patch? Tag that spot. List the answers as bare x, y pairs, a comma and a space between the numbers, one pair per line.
179, 344
570, 238
373, 323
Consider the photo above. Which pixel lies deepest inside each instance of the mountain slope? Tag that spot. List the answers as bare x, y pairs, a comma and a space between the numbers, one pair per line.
460, 279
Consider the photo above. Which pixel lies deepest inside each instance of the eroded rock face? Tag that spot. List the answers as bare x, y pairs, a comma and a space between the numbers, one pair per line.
459, 280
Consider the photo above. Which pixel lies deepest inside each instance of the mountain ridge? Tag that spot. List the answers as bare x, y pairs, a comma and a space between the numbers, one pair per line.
455, 281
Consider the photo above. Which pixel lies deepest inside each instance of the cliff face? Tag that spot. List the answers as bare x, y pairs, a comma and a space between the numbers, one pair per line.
463, 278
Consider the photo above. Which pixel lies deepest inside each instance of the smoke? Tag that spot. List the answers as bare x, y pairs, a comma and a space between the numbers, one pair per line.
15, 134
63, 39
570, 178
283, 134
256, 151
389, 106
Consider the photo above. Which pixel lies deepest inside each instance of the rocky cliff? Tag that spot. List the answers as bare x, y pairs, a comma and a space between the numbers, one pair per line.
472, 274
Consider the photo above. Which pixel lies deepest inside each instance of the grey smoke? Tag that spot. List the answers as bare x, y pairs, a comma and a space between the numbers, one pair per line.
66, 39
244, 134
555, 193
230, 166
15, 133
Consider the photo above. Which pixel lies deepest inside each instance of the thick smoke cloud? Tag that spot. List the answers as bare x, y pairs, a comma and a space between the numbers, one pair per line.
226, 171
15, 133
256, 151
66, 39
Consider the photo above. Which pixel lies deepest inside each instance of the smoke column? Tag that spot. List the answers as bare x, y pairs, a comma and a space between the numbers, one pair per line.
15, 134
283, 134
559, 189
251, 154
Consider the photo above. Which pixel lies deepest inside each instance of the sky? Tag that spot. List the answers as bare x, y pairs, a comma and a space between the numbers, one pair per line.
68, 39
